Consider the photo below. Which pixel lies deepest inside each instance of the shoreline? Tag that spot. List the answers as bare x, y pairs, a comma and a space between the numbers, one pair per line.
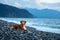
45, 29
38, 35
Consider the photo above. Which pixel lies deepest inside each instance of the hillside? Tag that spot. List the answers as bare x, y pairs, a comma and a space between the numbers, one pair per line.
13, 12
45, 13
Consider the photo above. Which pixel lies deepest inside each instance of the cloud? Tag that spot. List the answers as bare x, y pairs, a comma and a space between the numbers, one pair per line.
50, 1
5, 1
26, 0
38, 4
54, 6
17, 4
49, 4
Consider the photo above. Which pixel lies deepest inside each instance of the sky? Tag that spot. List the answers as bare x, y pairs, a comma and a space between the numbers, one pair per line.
37, 4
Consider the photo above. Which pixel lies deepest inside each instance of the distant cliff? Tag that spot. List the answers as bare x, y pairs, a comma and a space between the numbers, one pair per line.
13, 12
45, 13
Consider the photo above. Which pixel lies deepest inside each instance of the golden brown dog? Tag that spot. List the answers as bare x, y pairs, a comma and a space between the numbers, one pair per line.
20, 26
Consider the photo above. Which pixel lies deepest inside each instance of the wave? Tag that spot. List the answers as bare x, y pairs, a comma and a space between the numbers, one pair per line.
39, 25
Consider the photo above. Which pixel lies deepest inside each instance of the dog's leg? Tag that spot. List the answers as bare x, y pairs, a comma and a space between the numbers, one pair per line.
10, 27
28, 31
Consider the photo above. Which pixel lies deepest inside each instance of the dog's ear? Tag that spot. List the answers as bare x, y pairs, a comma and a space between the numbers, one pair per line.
25, 21
22, 21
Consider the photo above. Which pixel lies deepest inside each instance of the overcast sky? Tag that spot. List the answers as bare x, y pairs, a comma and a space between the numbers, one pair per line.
38, 4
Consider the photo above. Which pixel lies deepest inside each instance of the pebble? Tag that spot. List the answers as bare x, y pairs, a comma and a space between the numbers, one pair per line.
12, 34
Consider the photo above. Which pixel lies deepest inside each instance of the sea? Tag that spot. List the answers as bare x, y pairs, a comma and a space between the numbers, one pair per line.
41, 24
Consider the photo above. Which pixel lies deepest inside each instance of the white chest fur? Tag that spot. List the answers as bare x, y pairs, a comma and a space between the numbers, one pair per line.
24, 28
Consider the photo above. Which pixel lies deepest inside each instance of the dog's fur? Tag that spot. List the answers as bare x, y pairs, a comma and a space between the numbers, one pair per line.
20, 26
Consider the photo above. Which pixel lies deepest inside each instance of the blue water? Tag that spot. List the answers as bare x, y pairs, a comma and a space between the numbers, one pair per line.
48, 25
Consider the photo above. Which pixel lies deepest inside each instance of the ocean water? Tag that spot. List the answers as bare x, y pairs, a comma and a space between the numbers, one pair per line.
41, 24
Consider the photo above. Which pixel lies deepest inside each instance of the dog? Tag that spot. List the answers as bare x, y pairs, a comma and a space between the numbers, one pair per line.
20, 26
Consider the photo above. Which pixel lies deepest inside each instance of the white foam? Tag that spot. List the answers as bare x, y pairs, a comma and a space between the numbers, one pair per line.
41, 28
48, 29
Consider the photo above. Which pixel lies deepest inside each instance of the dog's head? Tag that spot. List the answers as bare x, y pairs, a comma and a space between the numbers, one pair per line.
23, 22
